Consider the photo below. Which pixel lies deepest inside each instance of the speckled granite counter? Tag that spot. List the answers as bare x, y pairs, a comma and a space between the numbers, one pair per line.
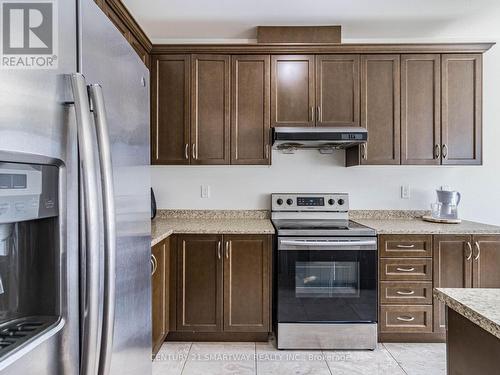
410, 222
418, 226
209, 222
480, 306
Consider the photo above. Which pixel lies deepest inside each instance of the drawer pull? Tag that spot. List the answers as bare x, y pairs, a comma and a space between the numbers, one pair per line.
406, 293
406, 318
405, 246
411, 269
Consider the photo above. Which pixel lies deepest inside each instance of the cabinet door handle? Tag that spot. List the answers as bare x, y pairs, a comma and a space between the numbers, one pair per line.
445, 151
186, 151
312, 114
405, 293
469, 246
363, 151
476, 244
406, 318
228, 244
405, 246
437, 151
411, 269
195, 152
267, 152
219, 247
154, 264
318, 113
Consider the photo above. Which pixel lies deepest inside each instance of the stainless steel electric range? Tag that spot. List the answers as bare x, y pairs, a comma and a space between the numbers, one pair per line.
326, 274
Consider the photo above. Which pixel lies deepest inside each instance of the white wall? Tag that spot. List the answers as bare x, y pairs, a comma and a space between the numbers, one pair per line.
248, 187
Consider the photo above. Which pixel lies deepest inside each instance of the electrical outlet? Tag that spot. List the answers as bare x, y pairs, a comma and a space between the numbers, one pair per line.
205, 191
405, 191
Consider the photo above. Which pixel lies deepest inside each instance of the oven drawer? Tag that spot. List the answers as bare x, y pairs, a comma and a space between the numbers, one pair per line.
405, 319
413, 246
406, 269
406, 292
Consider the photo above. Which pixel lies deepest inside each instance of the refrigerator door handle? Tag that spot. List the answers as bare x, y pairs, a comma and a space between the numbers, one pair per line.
90, 330
102, 131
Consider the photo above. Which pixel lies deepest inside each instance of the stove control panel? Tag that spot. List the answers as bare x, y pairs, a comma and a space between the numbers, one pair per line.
329, 202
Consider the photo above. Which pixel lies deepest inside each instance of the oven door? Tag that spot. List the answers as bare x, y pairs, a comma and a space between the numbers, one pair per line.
332, 280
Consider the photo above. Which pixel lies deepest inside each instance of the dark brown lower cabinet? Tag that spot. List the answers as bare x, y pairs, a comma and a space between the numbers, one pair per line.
452, 269
408, 273
246, 283
160, 264
470, 349
223, 287
486, 261
199, 281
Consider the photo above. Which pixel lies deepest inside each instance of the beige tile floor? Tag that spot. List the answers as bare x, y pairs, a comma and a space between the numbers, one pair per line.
210, 358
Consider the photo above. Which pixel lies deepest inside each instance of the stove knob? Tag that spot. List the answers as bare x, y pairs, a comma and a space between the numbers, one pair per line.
340, 202
279, 201
331, 202
289, 201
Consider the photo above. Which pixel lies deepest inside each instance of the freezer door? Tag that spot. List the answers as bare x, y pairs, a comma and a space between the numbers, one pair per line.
106, 59
37, 125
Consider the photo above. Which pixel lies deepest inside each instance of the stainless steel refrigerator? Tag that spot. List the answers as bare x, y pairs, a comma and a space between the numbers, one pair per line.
75, 293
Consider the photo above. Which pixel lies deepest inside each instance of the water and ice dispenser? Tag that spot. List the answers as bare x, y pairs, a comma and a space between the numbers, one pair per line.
29, 252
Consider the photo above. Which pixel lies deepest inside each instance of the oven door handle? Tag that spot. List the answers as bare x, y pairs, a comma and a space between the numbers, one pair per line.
328, 243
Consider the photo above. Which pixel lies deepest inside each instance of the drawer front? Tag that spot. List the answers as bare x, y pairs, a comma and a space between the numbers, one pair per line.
405, 319
406, 269
406, 292
413, 246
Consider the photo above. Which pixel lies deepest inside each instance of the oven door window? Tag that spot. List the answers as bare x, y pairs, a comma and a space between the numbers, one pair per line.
327, 286
327, 279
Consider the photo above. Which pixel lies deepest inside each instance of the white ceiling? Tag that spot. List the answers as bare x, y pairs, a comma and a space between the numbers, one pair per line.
212, 20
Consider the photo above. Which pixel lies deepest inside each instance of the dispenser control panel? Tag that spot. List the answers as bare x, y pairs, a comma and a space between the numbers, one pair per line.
27, 192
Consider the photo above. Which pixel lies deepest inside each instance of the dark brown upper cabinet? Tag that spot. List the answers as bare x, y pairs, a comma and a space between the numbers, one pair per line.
461, 85
421, 109
292, 90
337, 90
380, 112
250, 109
210, 110
170, 108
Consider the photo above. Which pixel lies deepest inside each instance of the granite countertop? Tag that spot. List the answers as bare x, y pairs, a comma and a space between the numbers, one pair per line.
410, 222
209, 222
418, 226
480, 306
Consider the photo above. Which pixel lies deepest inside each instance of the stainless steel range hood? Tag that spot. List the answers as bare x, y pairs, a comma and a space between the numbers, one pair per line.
324, 139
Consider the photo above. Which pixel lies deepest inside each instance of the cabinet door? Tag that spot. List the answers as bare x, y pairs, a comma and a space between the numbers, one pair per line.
292, 90
199, 283
461, 82
380, 109
250, 109
158, 295
452, 269
247, 283
210, 111
170, 109
486, 261
337, 90
420, 109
